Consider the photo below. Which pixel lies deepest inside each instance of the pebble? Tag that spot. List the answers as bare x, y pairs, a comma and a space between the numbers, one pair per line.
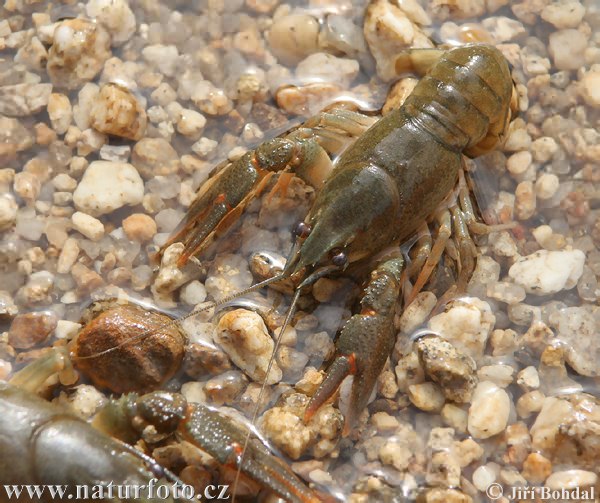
78, 52
590, 88
417, 312
116, 111
90, 227
530, 403
193, 293
191, 123
22, 100
243, 335
576, 329
139, 227
64, 182
571, 479
116, 16
567, 48
14, 137
545, 272
324, 67
27, 186
528, 379
519, 163
483, 477
107, 186
536, 468
544, 148
554, 412
8, 212
163, 57
66, 329
426, 396
293, 37
287, 431
154, 156
455, 417
452, 370
500, 375
489, 410
465, 325
28, 330
388, 30
228, 274
563, 14
546, 186
68, 256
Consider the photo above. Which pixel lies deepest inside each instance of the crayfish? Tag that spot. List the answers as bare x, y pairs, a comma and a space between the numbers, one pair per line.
378, 193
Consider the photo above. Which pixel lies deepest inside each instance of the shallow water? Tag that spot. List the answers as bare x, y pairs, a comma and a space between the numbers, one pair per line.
214, 58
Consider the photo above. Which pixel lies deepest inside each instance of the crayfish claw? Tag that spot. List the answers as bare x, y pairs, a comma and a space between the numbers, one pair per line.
364, 343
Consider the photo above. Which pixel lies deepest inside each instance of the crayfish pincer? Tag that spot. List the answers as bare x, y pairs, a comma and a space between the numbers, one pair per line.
378, 192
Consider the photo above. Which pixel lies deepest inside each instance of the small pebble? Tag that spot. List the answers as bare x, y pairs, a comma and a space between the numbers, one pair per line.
489, 411
545, 272
426, 396
139, 227
193, 293
28, 330
78, 52
243, 335
116, 111
90, 227
107, 186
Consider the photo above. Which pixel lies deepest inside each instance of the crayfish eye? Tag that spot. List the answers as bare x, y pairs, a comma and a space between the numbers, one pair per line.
339, 258
302, 230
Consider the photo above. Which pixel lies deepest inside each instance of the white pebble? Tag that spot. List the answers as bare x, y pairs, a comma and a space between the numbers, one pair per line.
164, 57
193, 293
567, 48
489, 411
107, 186
90, 227
190, 123
116, 16
546, 186
545, 272
243, 335
66, 329
590, 88
465, 325
571, 479
483, 477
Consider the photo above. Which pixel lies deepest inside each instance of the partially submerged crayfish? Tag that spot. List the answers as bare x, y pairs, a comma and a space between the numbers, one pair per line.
380, 190
54, 447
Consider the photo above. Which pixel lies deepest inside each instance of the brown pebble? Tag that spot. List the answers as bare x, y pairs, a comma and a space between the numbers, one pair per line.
201, 360
141, 365
139, 227
43, 134
86, 279
116, 111
30, 329
536, 468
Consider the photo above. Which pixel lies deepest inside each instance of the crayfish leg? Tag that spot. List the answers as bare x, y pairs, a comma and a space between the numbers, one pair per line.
56, 361
364, 343
224, 440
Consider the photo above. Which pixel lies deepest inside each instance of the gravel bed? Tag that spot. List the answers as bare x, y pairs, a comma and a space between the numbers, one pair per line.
114, 112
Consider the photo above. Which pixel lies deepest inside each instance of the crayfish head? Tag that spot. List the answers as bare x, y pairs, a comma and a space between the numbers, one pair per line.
352, 218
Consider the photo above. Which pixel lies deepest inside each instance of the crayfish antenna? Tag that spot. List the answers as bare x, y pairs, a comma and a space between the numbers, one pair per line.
288, 319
